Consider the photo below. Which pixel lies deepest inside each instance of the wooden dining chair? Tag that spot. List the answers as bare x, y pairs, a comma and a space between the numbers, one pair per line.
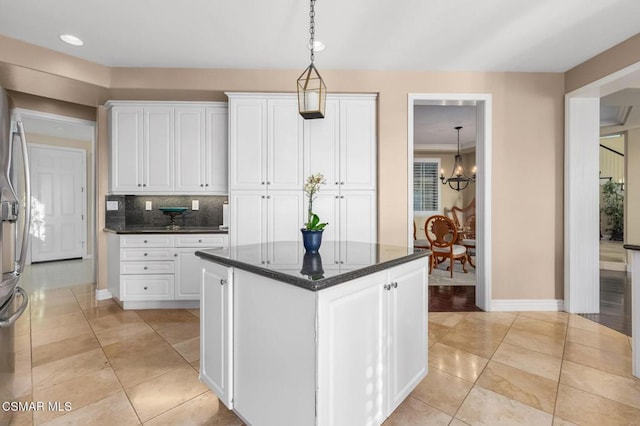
442, 235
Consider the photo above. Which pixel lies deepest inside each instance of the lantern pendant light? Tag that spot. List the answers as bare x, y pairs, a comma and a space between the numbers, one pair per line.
312, 92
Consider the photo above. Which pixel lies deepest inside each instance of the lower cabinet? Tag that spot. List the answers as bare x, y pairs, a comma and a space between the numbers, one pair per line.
347, 355
216, 330
158, 270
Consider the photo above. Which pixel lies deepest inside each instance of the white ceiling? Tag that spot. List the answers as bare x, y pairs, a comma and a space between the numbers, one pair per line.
488, 35
434, 127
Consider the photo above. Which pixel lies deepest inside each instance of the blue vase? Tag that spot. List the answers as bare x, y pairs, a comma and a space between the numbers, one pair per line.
311, 240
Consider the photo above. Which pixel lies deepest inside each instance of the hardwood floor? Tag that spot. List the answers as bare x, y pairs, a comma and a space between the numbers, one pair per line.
444, 298
615, 301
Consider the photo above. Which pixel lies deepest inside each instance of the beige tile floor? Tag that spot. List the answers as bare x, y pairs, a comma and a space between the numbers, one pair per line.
141, 367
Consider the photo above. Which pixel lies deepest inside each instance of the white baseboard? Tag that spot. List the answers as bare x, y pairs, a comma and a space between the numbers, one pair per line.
103, 294
522, 305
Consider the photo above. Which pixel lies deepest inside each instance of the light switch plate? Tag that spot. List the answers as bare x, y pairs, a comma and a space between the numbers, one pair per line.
112, 205
195, 204
147, 205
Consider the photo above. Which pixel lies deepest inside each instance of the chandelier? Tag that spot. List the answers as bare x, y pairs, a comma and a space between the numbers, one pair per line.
458, 180
312, 92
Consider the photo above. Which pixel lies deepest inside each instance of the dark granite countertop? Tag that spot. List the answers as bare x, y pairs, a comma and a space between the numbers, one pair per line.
313, 271
141, 229
632, 246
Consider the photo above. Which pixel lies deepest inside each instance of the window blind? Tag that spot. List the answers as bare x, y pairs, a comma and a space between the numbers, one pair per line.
425, 186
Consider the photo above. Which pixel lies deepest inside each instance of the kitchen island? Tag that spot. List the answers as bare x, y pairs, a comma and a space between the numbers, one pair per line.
309, 340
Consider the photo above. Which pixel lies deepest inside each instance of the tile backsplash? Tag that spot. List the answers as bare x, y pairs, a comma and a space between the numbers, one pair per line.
131, 210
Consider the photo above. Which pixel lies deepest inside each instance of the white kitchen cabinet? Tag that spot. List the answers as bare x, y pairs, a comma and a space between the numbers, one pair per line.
265, 143
157, 270
342, 146
141, 149
216, 330
351, 216
259, 217
165, 148
386, 315
201, 149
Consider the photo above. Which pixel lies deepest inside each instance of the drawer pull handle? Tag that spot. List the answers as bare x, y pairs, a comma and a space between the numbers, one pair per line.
145, 287
223, 281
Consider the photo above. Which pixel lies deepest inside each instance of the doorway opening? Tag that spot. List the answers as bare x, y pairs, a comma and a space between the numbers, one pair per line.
446, 112
62, 151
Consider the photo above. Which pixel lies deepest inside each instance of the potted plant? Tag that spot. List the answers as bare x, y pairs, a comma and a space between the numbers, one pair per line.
613, 200
312, 231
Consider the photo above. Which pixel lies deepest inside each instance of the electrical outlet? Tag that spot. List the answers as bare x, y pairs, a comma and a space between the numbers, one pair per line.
147, 205
195, 204
112, 205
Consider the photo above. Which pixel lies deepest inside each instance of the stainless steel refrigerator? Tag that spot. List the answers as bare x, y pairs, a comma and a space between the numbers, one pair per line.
16, 214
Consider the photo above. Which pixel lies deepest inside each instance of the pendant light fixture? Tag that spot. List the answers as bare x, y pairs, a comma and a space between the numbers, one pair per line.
312, 92
458, 180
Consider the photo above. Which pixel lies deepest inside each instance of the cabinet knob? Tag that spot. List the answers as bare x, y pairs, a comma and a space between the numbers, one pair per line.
199, 241
387, 287
144, 184
395, 284
145, 268
175, 254
145, 254
145, 287
341, 183
223, 281
206, 184
201, 185
268, 183
269, 196
139, 184
263, 196
262, 183
337, 183
337, 197
342, 196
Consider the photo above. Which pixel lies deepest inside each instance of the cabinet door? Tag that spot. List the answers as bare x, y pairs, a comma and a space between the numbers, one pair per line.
248, 217
216, 326
247, 143
357, 224
351, 382
284, 213
284, 145
126, 149
321, 145
188, 274
158, 149
190, 155
407, 330
357, 144
216, 176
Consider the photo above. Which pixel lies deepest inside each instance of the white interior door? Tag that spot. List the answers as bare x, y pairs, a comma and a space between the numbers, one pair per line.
58, 203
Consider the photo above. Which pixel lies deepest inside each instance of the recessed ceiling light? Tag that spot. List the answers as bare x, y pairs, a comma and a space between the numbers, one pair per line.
71, 39
318, 46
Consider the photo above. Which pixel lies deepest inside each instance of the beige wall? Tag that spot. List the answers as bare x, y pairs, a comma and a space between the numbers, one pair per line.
527, 146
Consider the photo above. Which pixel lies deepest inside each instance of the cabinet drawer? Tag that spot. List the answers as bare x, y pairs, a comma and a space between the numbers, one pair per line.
146, 241
202, 240
147, 254
151, 267
147, 287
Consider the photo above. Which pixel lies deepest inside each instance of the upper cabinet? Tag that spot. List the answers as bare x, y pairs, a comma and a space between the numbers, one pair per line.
168, 147
342, 146
265, 143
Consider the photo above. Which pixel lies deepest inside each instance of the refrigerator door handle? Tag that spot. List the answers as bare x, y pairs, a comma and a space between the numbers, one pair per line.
24, 244
13, 318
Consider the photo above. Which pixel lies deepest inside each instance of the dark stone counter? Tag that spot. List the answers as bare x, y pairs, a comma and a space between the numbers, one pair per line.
142, 229
631, 246
313, 272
